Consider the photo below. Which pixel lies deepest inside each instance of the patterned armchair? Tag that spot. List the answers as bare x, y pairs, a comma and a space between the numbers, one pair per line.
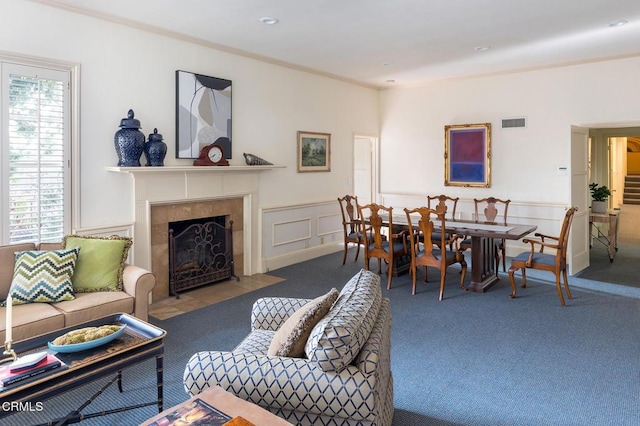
345, 378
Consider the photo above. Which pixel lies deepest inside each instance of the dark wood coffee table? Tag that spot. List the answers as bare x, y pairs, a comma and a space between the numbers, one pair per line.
139, 342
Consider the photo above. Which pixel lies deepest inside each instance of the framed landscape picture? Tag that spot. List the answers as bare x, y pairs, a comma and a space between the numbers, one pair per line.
314, 152
467, 155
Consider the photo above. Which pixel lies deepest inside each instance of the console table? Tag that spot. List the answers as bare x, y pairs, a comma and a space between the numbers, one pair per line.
610, 239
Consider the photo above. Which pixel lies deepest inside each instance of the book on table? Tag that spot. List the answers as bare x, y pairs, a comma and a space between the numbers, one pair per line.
194, 412
13, 376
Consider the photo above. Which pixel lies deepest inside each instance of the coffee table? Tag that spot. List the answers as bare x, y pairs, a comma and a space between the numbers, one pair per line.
230, 405
139, 342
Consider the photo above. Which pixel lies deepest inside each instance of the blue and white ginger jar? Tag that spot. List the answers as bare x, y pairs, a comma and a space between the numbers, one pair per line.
155, 149
129, 142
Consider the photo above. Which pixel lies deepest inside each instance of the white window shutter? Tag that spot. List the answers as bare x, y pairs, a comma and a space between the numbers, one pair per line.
36, 152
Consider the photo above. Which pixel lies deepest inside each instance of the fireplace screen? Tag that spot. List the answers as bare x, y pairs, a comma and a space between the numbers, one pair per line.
200, 253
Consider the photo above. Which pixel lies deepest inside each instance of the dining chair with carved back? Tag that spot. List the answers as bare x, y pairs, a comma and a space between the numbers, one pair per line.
556, 263
350, 224
440, 202
493, 211
427, 252
388, 247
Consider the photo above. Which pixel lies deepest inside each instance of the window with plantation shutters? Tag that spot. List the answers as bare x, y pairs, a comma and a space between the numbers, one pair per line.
35, 154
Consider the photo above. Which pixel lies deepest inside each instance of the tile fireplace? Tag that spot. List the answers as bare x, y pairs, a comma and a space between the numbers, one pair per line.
163, 215
173, 193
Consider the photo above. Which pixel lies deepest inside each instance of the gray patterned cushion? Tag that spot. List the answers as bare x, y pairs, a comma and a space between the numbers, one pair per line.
269, 313
256, 343
291, 337
336, 340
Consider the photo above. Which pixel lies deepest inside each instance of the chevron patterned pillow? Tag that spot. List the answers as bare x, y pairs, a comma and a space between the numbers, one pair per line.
43, 276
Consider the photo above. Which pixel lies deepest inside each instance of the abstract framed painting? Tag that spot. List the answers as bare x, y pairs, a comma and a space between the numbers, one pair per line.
203, 114
314, 152
467, 155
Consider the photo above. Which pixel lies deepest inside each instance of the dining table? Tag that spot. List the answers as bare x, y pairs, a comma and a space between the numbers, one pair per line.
483, 249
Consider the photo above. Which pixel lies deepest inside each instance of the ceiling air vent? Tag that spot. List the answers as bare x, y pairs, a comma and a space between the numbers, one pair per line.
510, 123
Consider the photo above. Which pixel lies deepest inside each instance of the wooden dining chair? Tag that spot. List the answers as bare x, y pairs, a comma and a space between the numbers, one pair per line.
556, 263
440, 202
493, 211
426, 253
350, 224
388, 247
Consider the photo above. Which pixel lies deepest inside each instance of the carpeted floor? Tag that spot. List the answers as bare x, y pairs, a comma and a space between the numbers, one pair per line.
472, 359
624, 269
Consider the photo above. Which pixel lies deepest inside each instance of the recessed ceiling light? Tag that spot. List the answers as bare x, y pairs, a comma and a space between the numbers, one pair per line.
387, 64
268, 20
391, 81
481, 48
617, 23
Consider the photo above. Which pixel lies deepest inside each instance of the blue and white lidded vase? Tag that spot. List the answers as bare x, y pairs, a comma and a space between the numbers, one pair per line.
129, 142
155, 149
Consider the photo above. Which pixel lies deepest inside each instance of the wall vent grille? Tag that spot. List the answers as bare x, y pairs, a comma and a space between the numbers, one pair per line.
510, 123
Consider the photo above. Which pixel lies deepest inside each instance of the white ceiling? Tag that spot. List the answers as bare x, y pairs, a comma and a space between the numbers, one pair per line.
412, 42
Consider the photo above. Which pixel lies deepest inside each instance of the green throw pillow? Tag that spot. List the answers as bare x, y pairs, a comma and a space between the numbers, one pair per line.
43, 276
100, 263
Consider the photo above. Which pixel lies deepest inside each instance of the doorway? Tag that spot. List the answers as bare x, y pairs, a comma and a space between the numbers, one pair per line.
610, 161
612, 157
365, 167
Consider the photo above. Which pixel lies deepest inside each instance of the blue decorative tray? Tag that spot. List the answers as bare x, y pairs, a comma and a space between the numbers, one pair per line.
77, 347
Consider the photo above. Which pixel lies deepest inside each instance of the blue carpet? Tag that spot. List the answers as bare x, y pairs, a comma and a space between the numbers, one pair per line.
472, 359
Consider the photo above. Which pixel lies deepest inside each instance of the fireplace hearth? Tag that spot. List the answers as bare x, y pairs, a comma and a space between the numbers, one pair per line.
200, 253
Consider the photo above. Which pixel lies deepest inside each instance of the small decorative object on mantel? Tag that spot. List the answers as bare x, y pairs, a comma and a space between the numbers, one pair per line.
211, 155
254, 160
155, 149
129, 142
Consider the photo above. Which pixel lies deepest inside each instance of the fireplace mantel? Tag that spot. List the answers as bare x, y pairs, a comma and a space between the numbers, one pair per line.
190, 169
179, 184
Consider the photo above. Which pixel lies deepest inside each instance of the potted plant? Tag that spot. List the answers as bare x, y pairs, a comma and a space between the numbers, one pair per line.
599, 195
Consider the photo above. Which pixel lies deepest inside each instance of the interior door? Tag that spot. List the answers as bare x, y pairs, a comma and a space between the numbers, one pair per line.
578, 253
363, 169
617, 169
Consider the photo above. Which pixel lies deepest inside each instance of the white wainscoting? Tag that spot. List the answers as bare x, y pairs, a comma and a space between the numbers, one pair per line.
294, 233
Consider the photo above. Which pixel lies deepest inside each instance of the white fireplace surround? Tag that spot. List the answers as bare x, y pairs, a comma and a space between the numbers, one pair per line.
176, 184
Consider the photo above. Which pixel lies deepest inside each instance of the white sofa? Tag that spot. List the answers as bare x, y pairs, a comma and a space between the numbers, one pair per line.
345, 379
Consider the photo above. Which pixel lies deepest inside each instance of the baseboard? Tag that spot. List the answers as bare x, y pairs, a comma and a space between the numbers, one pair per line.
300, 256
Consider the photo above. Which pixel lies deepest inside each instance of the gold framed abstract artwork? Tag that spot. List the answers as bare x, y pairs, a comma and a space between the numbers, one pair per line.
467, 155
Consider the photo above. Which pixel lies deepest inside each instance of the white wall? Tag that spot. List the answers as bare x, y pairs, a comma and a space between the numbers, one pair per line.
126, 68
524, 161
123, 68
